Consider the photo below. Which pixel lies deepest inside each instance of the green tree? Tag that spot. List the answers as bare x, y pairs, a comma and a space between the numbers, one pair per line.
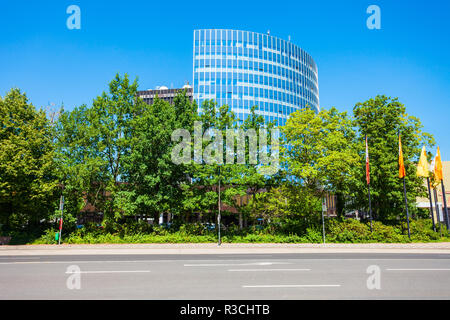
205, 175
319, 153
81, 168
247, 180
92, 145
381, 119
28, 184
154, 180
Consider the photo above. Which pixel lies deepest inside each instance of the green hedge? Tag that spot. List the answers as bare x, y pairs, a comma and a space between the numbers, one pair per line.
346, 231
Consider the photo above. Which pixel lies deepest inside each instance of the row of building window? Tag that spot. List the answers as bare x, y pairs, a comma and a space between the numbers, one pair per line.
242, 91
234, 78
242, 116
243, 65
223, 53
235, 100
259, 41
273, 107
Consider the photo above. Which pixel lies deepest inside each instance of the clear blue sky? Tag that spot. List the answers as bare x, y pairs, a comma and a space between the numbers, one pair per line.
408, 58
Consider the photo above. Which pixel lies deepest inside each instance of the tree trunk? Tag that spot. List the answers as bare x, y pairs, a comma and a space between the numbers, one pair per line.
340, 205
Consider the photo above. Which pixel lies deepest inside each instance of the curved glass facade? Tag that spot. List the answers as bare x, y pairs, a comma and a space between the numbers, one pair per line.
242, 69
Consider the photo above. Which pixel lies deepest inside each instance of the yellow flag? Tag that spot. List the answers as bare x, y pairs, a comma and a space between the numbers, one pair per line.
422, 166
401, 166
438, 175
433, 182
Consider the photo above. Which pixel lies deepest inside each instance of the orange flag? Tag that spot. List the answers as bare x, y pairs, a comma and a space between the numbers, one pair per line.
401, 166
367, 163
438, 167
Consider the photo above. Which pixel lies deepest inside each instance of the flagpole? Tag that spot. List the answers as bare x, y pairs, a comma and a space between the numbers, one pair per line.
437, 210
370, 207
218, 216
402, 175
431, 204
368, 181
406, 205
61, 207
323, 219
445, 204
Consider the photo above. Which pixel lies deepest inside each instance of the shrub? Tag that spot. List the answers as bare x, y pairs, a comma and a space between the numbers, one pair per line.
345, 231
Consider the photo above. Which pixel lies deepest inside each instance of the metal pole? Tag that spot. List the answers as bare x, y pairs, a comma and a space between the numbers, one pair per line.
406, 206
437, 210
218, 216
368, 182
61, 207
431, 204
445, 205
323, 220
370, 207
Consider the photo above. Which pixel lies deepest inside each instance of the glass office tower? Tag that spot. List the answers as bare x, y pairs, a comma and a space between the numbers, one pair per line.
242, 69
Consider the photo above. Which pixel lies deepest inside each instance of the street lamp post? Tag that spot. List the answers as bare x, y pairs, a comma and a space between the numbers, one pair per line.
61, 207
324, 208
218, 216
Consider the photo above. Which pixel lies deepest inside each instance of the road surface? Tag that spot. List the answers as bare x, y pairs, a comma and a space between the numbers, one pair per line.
352, 275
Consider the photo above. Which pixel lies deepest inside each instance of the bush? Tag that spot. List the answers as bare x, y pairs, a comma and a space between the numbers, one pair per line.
314, 235
193, 229
47, 238
337, 231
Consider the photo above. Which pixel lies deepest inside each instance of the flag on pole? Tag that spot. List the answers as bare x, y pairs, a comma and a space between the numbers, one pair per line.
434, 168
432, 164
402, 175
401, 166
423, 171
367, 163
438, 167
422, 166
434, 185
439, 177
368, 182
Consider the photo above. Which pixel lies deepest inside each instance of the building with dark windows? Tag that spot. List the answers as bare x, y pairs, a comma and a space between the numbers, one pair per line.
163, 93
242, 69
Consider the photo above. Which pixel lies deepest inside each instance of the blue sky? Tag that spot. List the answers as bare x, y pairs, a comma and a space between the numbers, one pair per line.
408, 58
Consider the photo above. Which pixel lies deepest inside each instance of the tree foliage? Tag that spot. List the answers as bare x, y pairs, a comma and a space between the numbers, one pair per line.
382, 119
115, 155
28, 184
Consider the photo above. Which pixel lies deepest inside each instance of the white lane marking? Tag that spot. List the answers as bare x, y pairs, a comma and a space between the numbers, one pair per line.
85, 261
263, 270
112, 271
422, 269
20, 258
241, 255
293, 286
233, 264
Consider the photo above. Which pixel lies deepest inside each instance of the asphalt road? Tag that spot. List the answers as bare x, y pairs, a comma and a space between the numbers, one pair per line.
229, 276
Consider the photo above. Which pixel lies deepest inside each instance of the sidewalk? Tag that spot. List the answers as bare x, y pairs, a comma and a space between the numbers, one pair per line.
226, 248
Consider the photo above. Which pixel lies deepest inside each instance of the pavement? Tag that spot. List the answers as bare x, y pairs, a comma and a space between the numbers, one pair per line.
232, 271
224, 248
